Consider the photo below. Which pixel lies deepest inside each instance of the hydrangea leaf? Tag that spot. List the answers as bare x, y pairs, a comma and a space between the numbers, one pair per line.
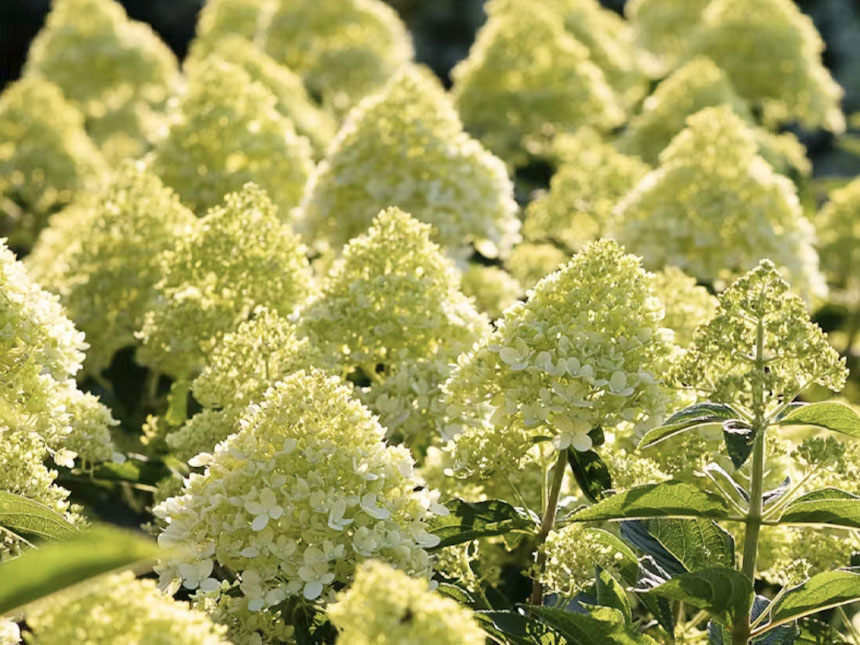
829, 507
723, 592
829, 415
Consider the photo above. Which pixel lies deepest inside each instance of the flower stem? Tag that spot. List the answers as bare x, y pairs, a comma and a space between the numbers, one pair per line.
548, 522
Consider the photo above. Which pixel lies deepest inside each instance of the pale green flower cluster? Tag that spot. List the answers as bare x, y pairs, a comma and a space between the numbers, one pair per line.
492, 288
295, 500
238, 257
385, 606
527, 79
789, 555
103, 257
342, 49
720, 362
116, 70
585, 351
663, 27
46, 158
226, 131
10, 633
714, 208
391, 310
292, 99
530, 261
591, 178
687, 304
120, 610
773, 57
406, 147
838, 227
238, 371
572, 554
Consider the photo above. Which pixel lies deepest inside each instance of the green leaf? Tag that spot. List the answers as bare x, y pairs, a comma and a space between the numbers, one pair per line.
25, 517
55, 566
610, 593
602, 626
136, 471
738, 436
822, 591
591, 473
468, 521
830, 415
177, 403
695, 416
696, 543
811, 631
667, 499
513, 627
829, 506
722, 592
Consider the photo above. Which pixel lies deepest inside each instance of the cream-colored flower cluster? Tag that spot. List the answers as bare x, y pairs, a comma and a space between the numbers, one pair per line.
391, 309
405, 147
46, 158
527, 79
714, 208
384, 606
225, 132
103, 257
721, 361
493, 288
663, 27
586, 350
120, 610
115, 70
688, 305
292, 502
838, 227
238, 257
342, 49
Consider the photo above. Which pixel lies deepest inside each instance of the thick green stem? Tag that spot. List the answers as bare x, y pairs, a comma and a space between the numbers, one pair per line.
548, 522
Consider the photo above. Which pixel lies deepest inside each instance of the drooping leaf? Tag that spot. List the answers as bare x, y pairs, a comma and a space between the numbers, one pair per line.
822, 591
776, 494
58, 565
591, 473
738, 436
27, 518
666, 499
601, 626
649, 576
626, 563
830, 415
636, 533
695, 543
695, 416
610, 593
829, 506
722, 592
468, 521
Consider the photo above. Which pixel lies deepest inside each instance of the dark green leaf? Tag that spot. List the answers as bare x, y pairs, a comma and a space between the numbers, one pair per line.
811, 631
513, 627
722, 592
602, 626
667, 499
468, 521
456, 592
591, 473
830, 506
830, 415
738, 436
636, 533
27, 518
696, 543
610, 593
136, 471
695, 416
822, 591
58, 565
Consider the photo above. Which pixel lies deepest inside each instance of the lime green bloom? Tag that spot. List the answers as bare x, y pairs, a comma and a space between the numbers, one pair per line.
718, 364
293, 101
391, 310
664, 27
46, 158
121, 610
342, 49
406, 147
295, 500
838, 226
527, 79
492, 288
591, 179
586, 350
387, 607
714, 208
226, 132
687, 304
115, 70
773, 57
110, 264
238, 257
529, 262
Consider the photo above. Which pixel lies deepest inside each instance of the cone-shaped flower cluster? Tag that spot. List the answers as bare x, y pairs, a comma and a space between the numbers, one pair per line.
384, 606
687, 304
714, 208
663, 27
291, 503
721, 365
405, 147
121, 610
227, 131
585, 351
493, 288
838, 225
238, 257
391, 308
110, 258
116, 70
46, 158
